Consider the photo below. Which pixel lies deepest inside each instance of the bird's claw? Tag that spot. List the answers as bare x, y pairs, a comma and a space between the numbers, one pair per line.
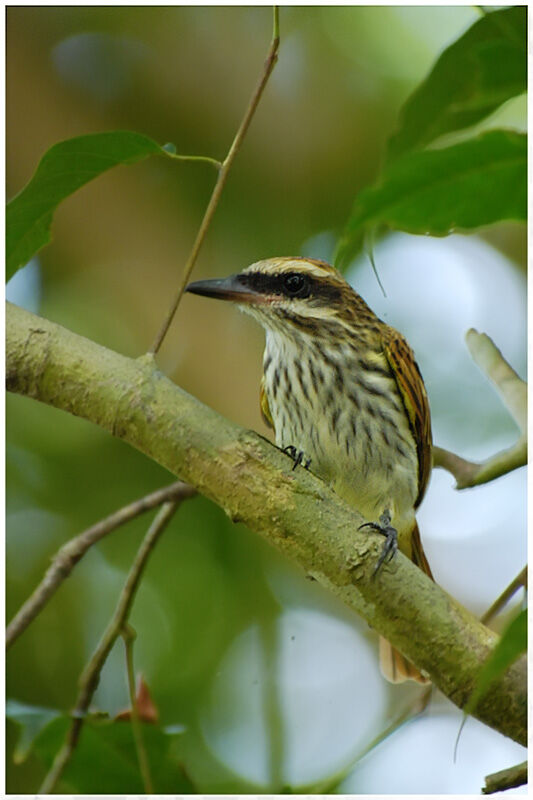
298, 456
391, 543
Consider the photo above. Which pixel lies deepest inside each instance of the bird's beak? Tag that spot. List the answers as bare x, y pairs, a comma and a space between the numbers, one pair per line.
230, 288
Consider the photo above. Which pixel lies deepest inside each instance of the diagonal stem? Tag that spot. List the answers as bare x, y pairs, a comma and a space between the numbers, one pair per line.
68, 556
128, 635
221, 181
91, 674
519, 582
414, 709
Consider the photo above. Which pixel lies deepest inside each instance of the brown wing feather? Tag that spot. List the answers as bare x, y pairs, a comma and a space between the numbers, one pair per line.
265, 408
413, 393
410, 384
417, 553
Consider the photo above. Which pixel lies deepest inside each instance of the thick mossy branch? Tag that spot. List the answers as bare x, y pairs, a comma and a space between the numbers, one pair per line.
254, 482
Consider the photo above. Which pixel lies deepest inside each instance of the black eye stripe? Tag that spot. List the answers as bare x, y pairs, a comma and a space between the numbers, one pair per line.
316, 288
289, 284
259, 282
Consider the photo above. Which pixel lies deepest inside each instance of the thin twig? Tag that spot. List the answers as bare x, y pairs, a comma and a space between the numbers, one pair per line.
221, 180
68, 556
506, 779
519, 582
129, 635
91, 674
513, 392
414, 709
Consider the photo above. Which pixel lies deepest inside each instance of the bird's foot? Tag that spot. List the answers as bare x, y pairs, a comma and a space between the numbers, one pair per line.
298, 456
391, 542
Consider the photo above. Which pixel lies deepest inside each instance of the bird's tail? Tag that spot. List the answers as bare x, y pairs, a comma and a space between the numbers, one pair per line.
394, 666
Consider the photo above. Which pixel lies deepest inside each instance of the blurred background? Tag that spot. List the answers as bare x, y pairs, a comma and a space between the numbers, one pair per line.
271, 682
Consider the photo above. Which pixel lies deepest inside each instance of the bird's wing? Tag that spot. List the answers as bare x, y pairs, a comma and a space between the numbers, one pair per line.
415, 400
265, 408
417, 552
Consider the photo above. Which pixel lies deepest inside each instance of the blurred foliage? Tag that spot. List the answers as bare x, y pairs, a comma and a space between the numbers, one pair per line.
182, 74
483, 69
109, 744
468, 185
472, 184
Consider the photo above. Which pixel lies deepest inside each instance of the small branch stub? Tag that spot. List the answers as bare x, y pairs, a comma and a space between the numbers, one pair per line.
511, 388
513, 391
506, 779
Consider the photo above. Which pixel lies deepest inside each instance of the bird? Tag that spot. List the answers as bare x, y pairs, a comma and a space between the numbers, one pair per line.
345, 397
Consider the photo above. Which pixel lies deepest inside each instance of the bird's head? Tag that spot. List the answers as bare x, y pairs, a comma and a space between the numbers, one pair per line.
287, 293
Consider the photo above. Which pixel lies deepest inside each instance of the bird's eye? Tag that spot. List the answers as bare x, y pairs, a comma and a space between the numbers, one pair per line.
296, 285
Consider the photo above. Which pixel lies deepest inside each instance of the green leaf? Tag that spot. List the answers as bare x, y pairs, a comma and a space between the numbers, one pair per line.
472, 77
105, 759
64, 168
512, 644
436, 192
31, 720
